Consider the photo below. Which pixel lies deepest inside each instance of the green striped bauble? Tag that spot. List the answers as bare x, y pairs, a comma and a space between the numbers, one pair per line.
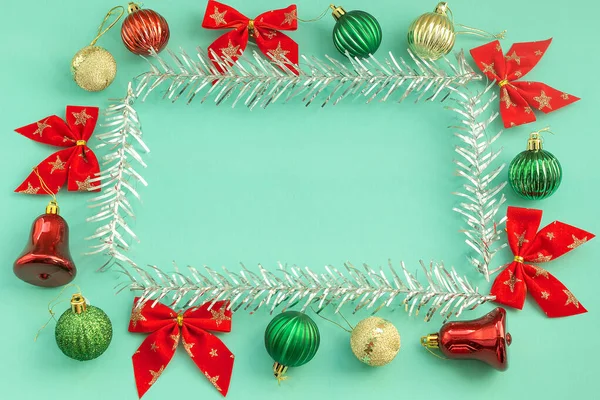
535, 174
292, 339
357, 33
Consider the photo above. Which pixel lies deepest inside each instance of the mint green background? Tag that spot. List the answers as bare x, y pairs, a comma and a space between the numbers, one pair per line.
309, 186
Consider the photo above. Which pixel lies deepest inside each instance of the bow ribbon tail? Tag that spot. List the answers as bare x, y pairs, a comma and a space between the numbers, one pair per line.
280, 48
53, 172
210, 355
514, 109
551, 295
228, 48
153, 356
83, 170
509, 287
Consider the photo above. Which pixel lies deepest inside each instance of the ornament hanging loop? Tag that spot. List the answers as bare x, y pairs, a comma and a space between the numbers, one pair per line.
320, 17
534, 143
101, 29
443, 8
52, 207
56, 301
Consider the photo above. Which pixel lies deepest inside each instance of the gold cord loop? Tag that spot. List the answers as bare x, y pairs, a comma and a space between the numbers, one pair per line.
101, 29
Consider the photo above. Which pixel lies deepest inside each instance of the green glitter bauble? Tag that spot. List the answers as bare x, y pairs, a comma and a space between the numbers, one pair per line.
535, 174
357, 33
83, 336
292, 339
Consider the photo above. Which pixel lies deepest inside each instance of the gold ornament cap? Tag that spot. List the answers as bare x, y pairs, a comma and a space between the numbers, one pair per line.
78, 304
279, 371
431, 341
441, 8
534, 143
52, 207
133, 7
337, 11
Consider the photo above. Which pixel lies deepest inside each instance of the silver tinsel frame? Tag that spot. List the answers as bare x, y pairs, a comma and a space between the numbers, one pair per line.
258, 82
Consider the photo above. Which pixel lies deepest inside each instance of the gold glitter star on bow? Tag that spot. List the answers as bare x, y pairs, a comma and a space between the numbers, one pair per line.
565, 96
218, 17
230, 51
289, 18
571, 299
269, 34
577, 242
514, 57
219, 316
155, 375
213, 380
518, 74
85, 185
498, 47
550, 235
213, 353
528, 110
488, 68
188, 347
512, 281
521, 239
506, 99
58, 164
545, 295
175, 339
541, 258
81, 117
538, 53
541, 271
136, 316
543, 100
40, 127
154, 347
278, 54
30, 189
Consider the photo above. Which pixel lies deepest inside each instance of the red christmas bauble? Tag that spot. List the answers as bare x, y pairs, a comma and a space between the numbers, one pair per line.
143, 30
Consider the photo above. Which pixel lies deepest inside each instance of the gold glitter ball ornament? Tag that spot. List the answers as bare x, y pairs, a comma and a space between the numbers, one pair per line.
375, 341
93, 68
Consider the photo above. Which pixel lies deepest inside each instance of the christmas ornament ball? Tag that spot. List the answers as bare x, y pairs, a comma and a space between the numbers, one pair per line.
535, 173
432, 35
356, 32
144, 30
93, 68
292, 339
83, 332
375, 341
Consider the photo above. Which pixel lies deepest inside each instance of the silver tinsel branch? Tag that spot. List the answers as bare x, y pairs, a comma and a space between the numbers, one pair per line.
118, 179
443, 290
258, 81
481, 197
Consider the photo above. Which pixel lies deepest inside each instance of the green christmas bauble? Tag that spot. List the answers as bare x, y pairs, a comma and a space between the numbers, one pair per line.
356, 32
292, 339
535, 173
83, 332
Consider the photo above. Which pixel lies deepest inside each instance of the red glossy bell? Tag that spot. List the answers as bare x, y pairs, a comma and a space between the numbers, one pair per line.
46, 260
483, 339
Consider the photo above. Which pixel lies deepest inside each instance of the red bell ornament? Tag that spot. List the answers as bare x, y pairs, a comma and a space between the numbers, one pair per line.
46, 260
484, 339
144, 30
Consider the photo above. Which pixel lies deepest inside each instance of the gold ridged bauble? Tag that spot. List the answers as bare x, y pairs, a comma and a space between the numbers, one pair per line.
93, 68
432, 35
375, 341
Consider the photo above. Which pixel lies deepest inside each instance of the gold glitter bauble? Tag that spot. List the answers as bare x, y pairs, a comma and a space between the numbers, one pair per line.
432, 35
375, 341
93, 68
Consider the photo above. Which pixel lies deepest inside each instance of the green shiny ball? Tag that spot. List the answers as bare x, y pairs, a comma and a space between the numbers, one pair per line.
357, 33
535, 174
292, 338
83, 336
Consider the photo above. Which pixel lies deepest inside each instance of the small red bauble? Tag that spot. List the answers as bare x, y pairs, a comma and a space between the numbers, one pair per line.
144, 30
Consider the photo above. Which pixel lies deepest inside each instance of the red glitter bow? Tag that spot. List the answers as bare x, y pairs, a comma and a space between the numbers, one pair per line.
530, 246
518, 98
264, 28
76, 164
166, 327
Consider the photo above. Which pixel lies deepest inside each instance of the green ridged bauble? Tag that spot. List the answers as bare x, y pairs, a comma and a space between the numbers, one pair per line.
535, 173
291, 339
83, 332
356, 32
